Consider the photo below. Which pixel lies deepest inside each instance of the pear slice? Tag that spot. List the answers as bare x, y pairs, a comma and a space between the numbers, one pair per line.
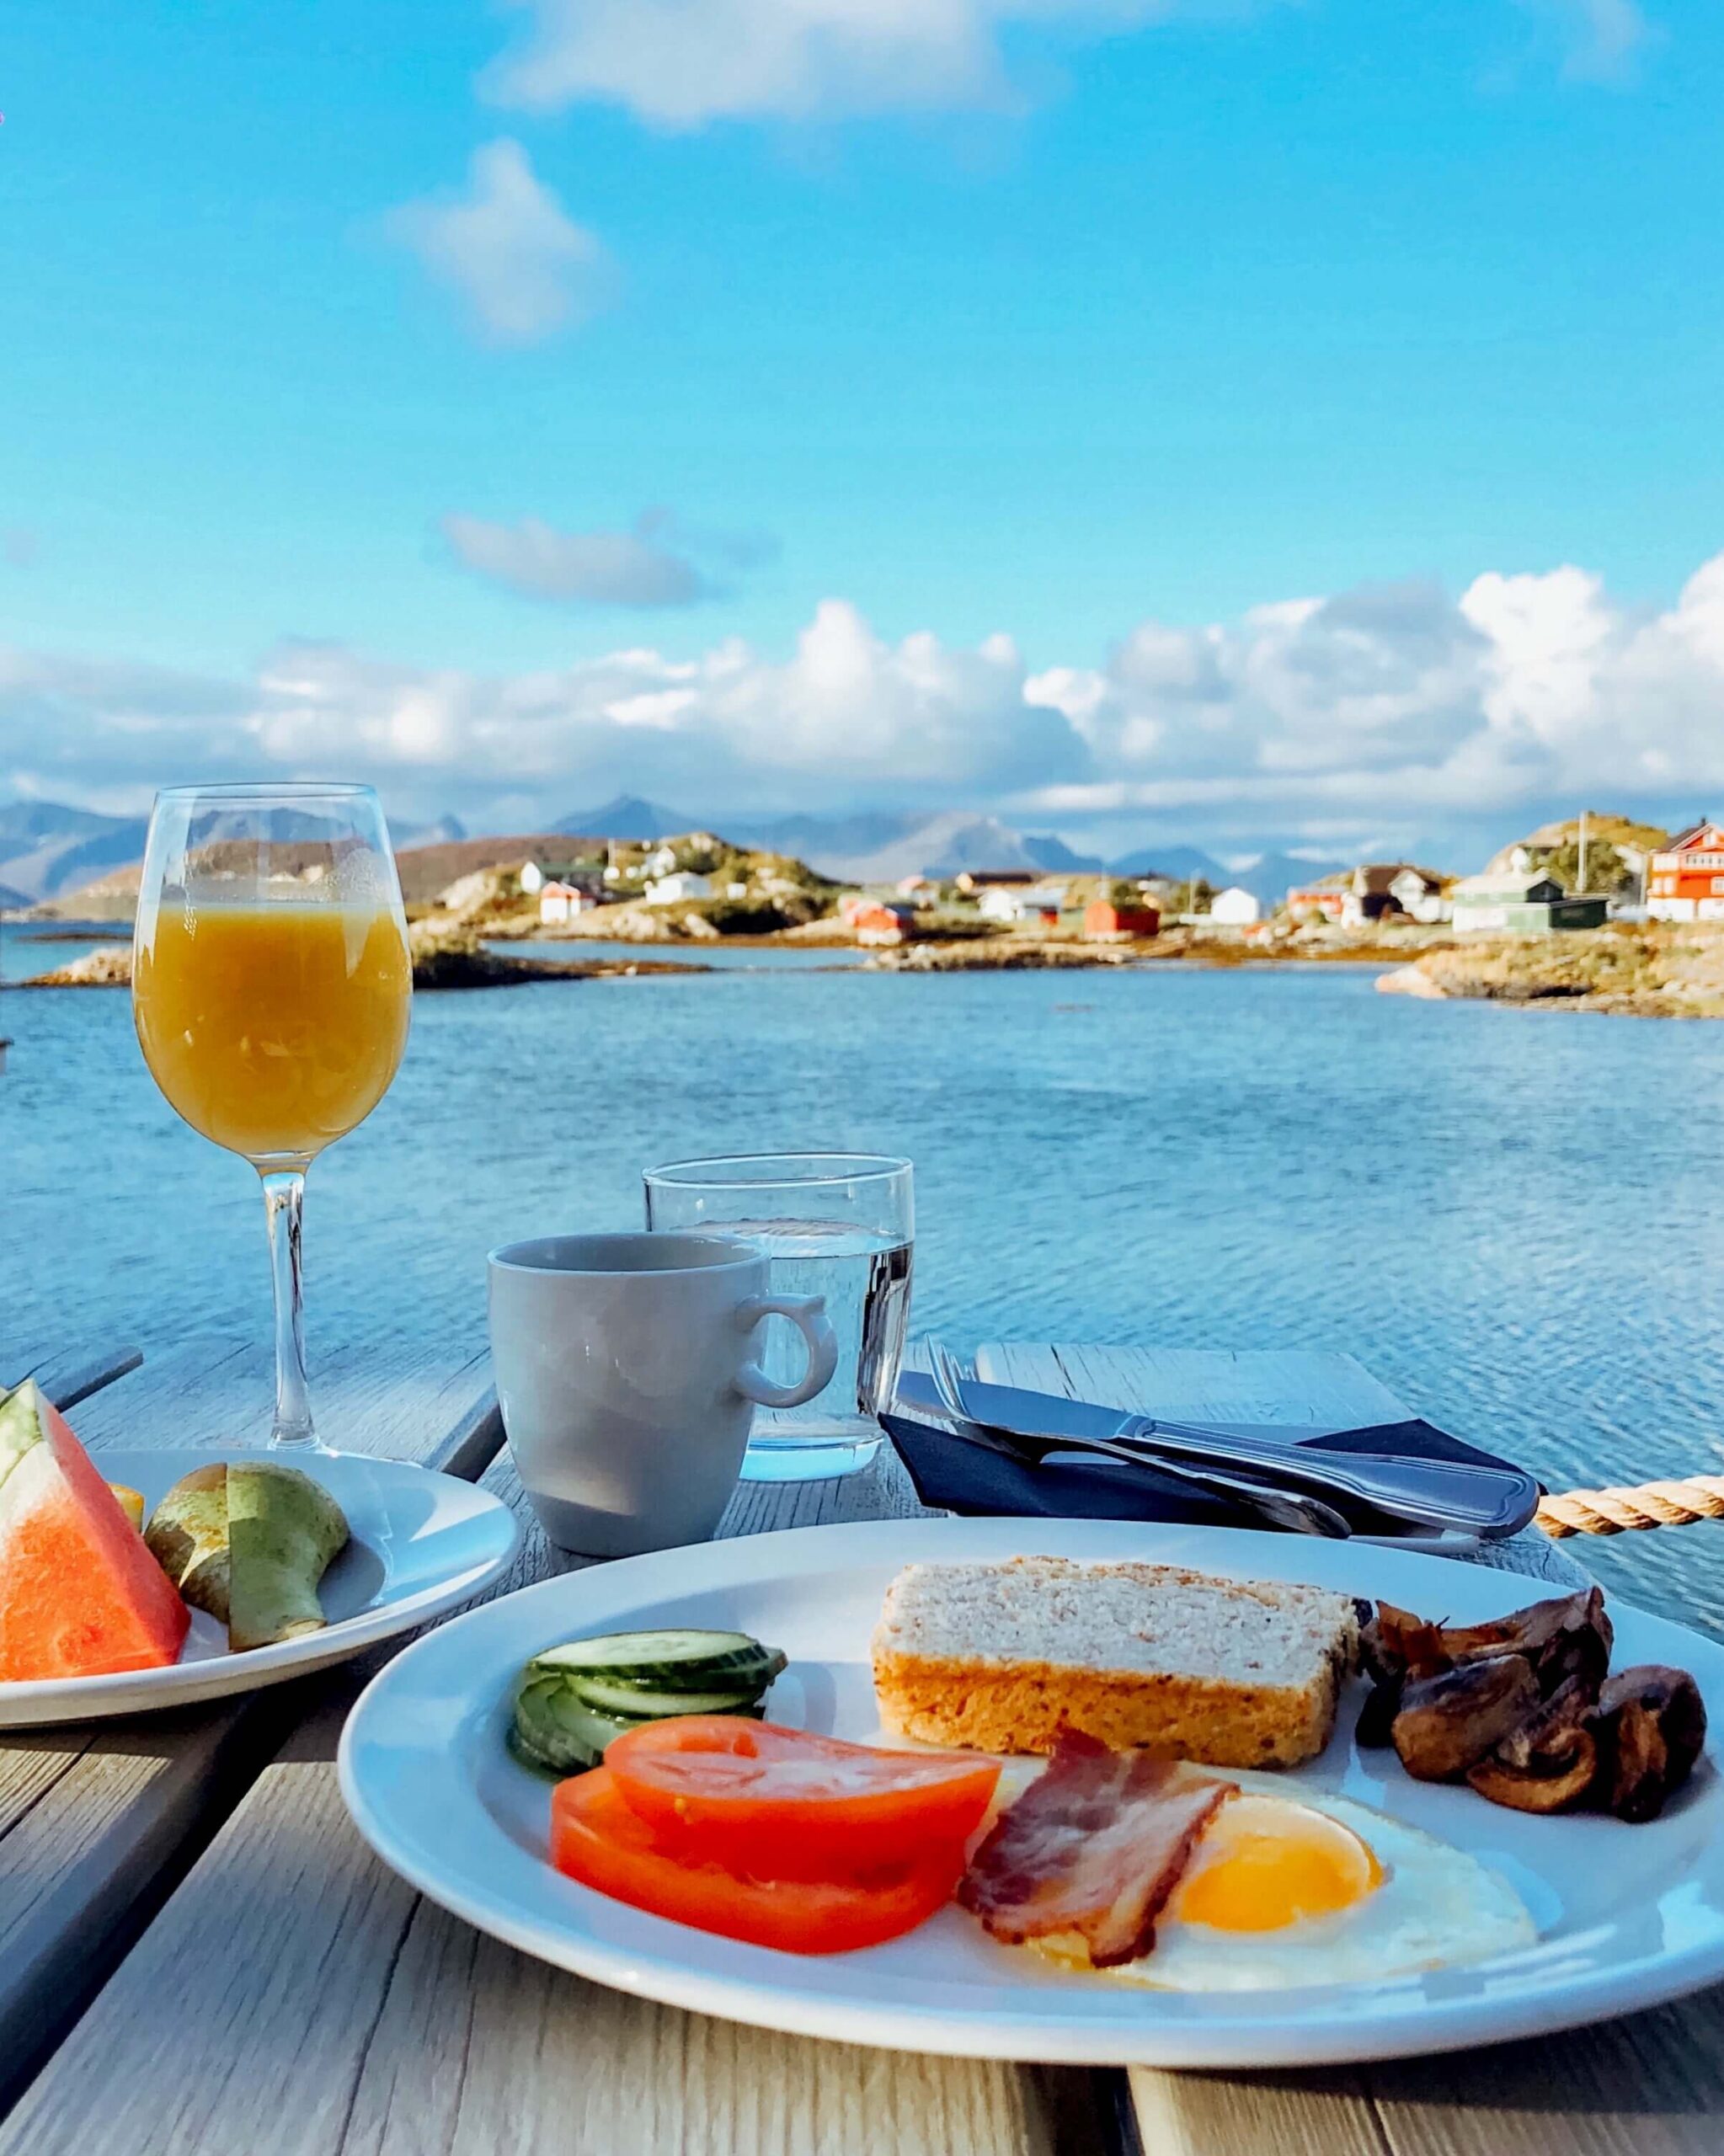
188, 1537
284, 1532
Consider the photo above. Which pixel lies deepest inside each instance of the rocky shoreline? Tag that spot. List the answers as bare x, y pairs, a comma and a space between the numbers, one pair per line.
1013, 955
1654, 971
437, 964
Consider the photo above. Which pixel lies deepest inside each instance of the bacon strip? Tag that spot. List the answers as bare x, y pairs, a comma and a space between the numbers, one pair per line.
1093, 1847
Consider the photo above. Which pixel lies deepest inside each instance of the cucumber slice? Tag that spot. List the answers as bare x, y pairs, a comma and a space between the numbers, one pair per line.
536, 1761
561, 1731
635, 1702
688, 1660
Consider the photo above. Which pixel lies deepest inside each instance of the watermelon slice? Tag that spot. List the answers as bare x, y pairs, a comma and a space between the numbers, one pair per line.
80, 1595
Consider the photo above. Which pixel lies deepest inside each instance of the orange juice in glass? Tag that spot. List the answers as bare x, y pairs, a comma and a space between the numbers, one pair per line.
271, 987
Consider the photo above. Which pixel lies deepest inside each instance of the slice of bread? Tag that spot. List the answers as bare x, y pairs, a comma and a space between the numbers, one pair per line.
998, 1657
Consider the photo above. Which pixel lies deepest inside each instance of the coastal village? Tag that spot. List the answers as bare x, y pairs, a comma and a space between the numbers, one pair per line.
1596, 911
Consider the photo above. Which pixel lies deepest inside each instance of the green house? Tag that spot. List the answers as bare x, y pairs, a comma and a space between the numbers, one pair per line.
1525, 904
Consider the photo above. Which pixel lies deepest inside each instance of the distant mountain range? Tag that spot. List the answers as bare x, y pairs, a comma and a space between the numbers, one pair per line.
1269, 877
627, 817
48, 851
46, 848
870, 846
880, 847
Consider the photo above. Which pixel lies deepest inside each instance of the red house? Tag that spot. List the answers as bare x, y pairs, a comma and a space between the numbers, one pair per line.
1103, 919
873, 921
1686, 882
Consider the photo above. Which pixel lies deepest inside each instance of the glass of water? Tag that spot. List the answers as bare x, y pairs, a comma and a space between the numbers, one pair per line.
837, 1224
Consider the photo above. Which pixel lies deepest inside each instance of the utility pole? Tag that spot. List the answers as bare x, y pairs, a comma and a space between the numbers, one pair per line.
1582, 891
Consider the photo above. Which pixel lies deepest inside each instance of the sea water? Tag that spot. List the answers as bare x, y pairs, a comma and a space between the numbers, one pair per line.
1502, 1213
864, 1278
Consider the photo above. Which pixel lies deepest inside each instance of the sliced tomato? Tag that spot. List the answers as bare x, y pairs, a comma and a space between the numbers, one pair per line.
788, 1804
599, 1840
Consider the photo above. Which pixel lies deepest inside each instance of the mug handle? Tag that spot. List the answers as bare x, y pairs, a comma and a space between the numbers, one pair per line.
808, 1313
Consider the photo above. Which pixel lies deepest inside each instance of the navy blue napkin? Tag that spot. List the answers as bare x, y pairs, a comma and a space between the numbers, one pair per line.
953, 1473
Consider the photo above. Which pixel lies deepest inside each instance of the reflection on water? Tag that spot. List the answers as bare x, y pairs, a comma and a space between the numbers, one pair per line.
718, 957
26, 950
1506, 1214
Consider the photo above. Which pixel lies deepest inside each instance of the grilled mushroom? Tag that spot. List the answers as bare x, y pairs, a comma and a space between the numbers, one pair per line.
1397, 1644
1570, 1635
1385, 1666
1448, 1722
1550, 1761
1652, 1727
1376, 1717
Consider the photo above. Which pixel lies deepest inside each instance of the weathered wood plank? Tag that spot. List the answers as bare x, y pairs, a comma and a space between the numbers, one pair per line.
68, 1376
1321, 1390
367, 2022
1652, 2086
1255, 2115
99, 1823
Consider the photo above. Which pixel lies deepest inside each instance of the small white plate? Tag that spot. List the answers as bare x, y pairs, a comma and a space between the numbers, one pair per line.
422, 1542
1627, 1916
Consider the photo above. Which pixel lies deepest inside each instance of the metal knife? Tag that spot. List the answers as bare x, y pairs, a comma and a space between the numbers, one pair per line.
1491, 1501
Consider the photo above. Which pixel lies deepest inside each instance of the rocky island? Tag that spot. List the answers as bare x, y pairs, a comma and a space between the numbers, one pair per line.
1650, 970
1429, 935
443, 958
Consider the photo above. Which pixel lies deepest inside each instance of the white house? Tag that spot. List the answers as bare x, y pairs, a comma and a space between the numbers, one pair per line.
560, 902
1421, 897
1380, 888
672, 890
1000, 902
1236, 907
532, 877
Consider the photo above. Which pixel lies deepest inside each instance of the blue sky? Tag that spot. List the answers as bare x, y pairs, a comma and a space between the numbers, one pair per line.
1104, 413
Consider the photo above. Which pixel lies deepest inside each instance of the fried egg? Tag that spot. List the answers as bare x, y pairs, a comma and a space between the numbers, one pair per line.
1317, 1889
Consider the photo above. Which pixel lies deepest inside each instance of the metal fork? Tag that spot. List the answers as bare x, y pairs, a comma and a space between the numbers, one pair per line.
1293, 1511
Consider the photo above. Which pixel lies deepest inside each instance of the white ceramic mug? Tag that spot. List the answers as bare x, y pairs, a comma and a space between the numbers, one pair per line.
624, 1374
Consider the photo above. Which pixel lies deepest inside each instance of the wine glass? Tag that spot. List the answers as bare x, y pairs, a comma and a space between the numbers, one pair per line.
271, 984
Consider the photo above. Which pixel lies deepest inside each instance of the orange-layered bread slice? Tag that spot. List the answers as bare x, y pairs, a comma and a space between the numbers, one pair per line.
999, 1658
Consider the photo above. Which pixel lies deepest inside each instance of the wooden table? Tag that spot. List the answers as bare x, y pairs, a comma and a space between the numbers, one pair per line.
198, 1953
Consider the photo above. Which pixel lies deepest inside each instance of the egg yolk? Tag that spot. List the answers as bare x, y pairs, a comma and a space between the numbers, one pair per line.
1265, 1863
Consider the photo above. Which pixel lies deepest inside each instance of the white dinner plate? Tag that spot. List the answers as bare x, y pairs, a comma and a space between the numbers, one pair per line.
422, 1542
1626, 1915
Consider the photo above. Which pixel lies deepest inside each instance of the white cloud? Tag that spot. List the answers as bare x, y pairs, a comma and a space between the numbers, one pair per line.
522, 266
657, 564
1599, 41
847, 713
1397, 701
1309, 716
683, 63
678, 63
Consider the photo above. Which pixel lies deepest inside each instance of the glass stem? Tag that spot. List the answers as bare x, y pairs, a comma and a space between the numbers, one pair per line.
284, 1193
